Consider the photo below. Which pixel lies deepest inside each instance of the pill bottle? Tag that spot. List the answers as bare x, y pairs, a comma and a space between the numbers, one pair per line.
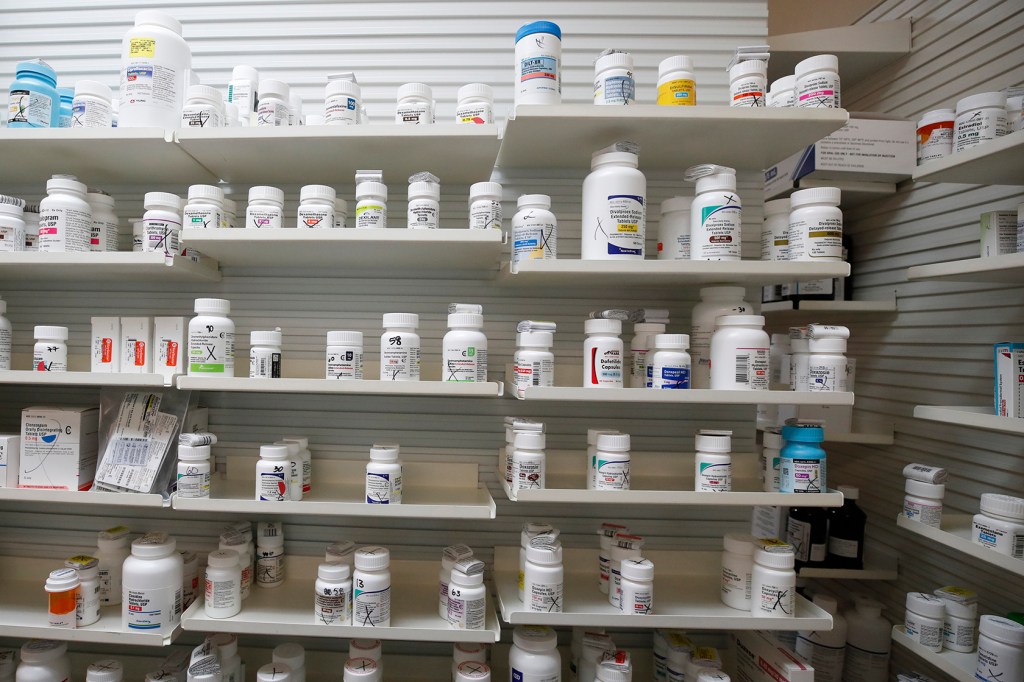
826, 364
162, 223
674, 229
636, 585
153, 46
193, 471
90, 107
189, 578
269, 672
371, 601
294, 657
960, 623
612, 462
606, 536
50, 353
716, 217
371, 205
449, 556
846, 531
242, 92
713, 463
485, 206
531, 530
773, 580
613, 79
204, 108
935, 135
979, 118
923, 502
273, 109
341, 552
227, 651
543, 579
62, 590
677, 86
316, 205
473, 671
512, 427
640, 350
6, 335
12, 228
528, 462
152, 578
415, 104
747, 83
65, 217
362, 670
295, 117
802, 463
800, 358
464, 349
227, 217
33, 101
739, 354
775, 230
332, 596
231, 115
270, 561
1000, 650
624, 547
1014, 114
66, 95
205, 207
1000, 525
825, 650
105, 670
365, 648
534, 229
424, 205
815, 225
538, 64
237, 543
31, 218
924, 617
111, 551
868, 640
614, 208
702, 658
211, 339
669, 366
273, 475
714, 302
467, 596
533, 362
341, 103
782, 92
384, 475
265, 354
265, 208
737, 569
475, 104
602, 353
468, 652
295, 467
340, 213
400, 348
44, 661
345, 355
223, 585
817, 82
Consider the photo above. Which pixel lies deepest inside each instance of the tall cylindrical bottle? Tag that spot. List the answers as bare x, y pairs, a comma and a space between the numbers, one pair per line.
155, 66
614, 208
716, 217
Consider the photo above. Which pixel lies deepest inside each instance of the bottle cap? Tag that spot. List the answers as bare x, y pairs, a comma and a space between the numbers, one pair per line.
193, 453
739, 543
978, 101
372, 558
926, 605
36, 66
803, 433
816, 63
749, 67
535, 339
371, 190
212, 306
364, 648
679, 62
113, 538
648, 328
1003, 505
826, 345
676, 204
384, 453
154, 544
672, 341
544, 550
614, 60
293, 448
468, 571
274, 88
401, 320
428, 189
930, 491
637, 569
340, 207
603, 158
814, 195
998, 628
209, 192
476, 91
266, 193
51, 333
340, 551
301, 441
529, 441
849, 492
615, 442
534, 638
740, 321
42, 650
601, 326
485, 190
713, 441
106, 670
772, 439
339, 86
472, 671
67, 183
538, 27
322, 192
536, 200
226, 643
361, 668
776, 555
245, 72
271, 672
12, 210
470, 320
937, 116
418, 90
345, 338
162, 200
722, 293
62, 580
206, 93
274, 452
154, 17
291, 654
827, 602
610, 670
222, 559
782, 84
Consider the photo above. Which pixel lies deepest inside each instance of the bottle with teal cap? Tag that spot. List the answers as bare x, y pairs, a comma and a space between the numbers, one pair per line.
64, 115
33, 101
802, 460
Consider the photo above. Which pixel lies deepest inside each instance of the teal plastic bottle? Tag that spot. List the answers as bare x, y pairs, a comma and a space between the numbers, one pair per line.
33, 101
802, 459
64, 116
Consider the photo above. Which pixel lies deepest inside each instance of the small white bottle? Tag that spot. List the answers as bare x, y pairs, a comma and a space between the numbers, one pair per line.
799, 358
713, 463
231, 116
44, 660
1000, 650
543, 579
161, 223
152, 576
485, 206
50, 352
228, 216
341, 103
91, 107
340, 213
468, 652
211, 339
384, 475
868, 641
464, 349
737, 570
739, 354
775, 230
674, 229
87, 605
223, 585
669, 366
204, 108
826, 364
371, 205
611, 471
534, 229
449, 556
748, 83
533, 363
624, 547
242, 92
602, 354
467, 596
66, 215
716, 217
292, 656
295, 469
960, 623
817, 82
773, 580
104, 235
825, 649
772, 455
415, 104
924, 618
531, 530
614, 208
205, 207
270, 563
613, 79
189, 578
641, 347
273, 109
265, 354
980, 118
472, 671
265, 208
714, 302
371, 588
193, 471
607, 538
316, 206
273, 475
237, 543
923, 502
332, 597
270, 672
400, 348
345, 355
534, 654
636, 586
935, 135
111, 551
424, 205
782, 92
12, 228
1000, 525
475, 104
528, 462
365, 648
815, 230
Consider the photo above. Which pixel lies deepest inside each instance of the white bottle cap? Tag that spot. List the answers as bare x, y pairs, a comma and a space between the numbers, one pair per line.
94, 88
401, 320
672, 341
322, 192
1003, 505
534, 638
340, 551
226, 643
978, 101
615, 442
368, 190
931, 491
222, 559
302, 441
361, 668
274, 452
419, 90
340, 206
600, 326
778, 206
827, 602
384, 453
154, 544
291, 654
772, 440
339, 86
739, 321
818, 62
212, 306
62, 580
713, 441
476, 91
86, 566
293, 448
1002, 629
748, 68
205, 92
637, 569
540, 200
814, 195
610, 670
265, 338
365, 648
42, 650
245, 72
485, 190
274, 88
95, 198
739, 543
529, 441
154, 17
926, 605
67, 183
372, 558
193, 453
431, 190
533, 339
106, 670
469, 651
18, 211
472, 671
826, 345
273, 672
266, 193
615, 60
648, 327
51, 333
113, 538
781, 84
470, 320
676, 204
721, 182
937, 116
603, 158
158, 200
723, 293
345, 338
777, 557
210, 192
679, 62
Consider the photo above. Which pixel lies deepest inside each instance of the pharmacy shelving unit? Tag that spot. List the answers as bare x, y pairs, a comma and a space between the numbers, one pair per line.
26, 376
686, 587
287, 610
955, 533
973, 416
1005, 269
439, 490
94, 498
998, 162
435, 389
441, 250
781, 312
877, 566
685, 397
959, 666
457, 154
23, 610
119, 266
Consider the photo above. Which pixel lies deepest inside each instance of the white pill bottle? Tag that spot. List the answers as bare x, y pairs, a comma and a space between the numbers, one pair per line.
534, 655
716, 217
211, 339
538, 64
151, 585
155, 66
614, 208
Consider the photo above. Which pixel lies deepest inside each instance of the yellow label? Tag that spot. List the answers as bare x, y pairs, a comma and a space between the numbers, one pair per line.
629, 227
522, 580
678, 93
142, 47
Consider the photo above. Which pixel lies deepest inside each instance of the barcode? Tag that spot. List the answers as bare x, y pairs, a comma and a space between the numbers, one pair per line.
742, 369
130, 452
1018, 546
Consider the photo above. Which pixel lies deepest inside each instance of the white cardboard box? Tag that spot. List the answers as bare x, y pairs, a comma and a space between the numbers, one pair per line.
106, 345
169, 345
58, 447
136, 345
759, 659
998, 233
10, 457
1009, 379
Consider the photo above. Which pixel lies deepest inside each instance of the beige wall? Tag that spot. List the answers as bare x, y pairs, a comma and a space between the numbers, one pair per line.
791, 16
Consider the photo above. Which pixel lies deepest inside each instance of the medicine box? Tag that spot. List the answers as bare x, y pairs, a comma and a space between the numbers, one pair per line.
106, 344
169, 345
865, 149
998, 233
136, 345
1009, 379
10, 457
760, 659
58, 447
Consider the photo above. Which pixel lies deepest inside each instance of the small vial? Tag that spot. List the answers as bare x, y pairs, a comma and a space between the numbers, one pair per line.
193, 471
424, 205
612, 462
400, 348
475, 104
265, 209
204, 108
747, 83
534, 229
371, 205
528, 462
341, 102
485, 206
668, 367
273, 474
637, 587
677, 86
533, 362
345, 355
467, 596
316, 207
332, 599
161, 223
384, 475
270, 561
265, 354
223, 585
713, 463
273, 109
544, 577
87, 605
464, 349
613, 79
371, 600
50, 353
62, 589
602, 352
415, 104
205, 207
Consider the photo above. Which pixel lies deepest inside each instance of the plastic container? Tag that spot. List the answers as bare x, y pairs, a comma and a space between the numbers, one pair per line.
534, 229
773, 581
923, 502
1014, 114
538, 64
294, 470
270, 560
475, 104
371, 205
924, 618
846, 532
151, 595
464, 349
528, 462
612, 462
802, 467
265, 354
748, 83
362, 670
817, 82
105, 670
33, 101
807, 532
960, 623
607, 538
241, 544
242, 92
50, 352
485, 206
716, 217
1000, 525
614, 208
674, 229
449, 556
305, 461
468, 652
91, 106
65, 217
371, 581
533, 362
669, 366
868, 641
739, 354
190, 578
415, 104
205, 207
111, 551
273, 475
293, 656
223, 585
624, 547
341, 103
384, 476
641, 347
204, 108
825, 650
44, 661
211, 339
271, 672
935, 135
815, 226
1000, 650
161, 223
737, 570
265, 208
66, 96
712, 462
400, 348
714, 302
543, 577
316, 205
677, 86
980, 118
782, 92
228, 216
194, 469
602, 354
534, 654
424, 206
827, 364
295, 117
613, 79
467, 596
12, 228
155, 66
274, 109
365, 648
775, 230
344, 357
799, 358
636, 587
473, 671
62, 591
340, 213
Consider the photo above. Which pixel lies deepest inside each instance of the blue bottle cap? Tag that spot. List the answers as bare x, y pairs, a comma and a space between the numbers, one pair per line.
38, 67
803, 433
538, 27
66, 93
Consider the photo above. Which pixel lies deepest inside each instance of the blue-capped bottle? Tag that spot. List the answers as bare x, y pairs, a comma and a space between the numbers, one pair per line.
65, 114
33, 101
802, 460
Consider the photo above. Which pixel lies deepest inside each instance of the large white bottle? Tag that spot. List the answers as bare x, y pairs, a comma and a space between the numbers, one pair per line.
716, 218
614, 208
155, 71
868, 641
714, 303
825, 650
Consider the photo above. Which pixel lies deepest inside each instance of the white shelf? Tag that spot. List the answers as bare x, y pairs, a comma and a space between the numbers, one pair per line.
439, 490
853, 192
98, 156
23, 612
690, 396
806, 310
27, 376
89, 497
458, 154
956, 534
379, 251
970, 415
439, 389
1007, 269
999, 162
670, 138
876, 567
959, 666
287, 610
687, 586
117, 266
591, 273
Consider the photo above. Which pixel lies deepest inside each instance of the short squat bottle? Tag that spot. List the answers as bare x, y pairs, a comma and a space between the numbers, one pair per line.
817, 82
161, 223
211, 339
475, 104
371, 205
677, 86
273, 109
316, 207
270, 561
384, 476
44, 660
415, 104
332, 597
464, 349
371, 588
782, 92
265, 209
613, 79
533, 362
602, 354
748, 83
50, 353
265, 354
345, 355
223, 584
802, 461
923, 502
273, 475
923, 620
424, 205
204, 209
534, 229
739, 354
341, 103
111, 551
1000, 525
713, 462
534, 654
204, 108
612, 462
815, 231
668, 367
614, 208
193, 471
66, 216
485, 206
12, 228
1000, 649
773, 581
400, 348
